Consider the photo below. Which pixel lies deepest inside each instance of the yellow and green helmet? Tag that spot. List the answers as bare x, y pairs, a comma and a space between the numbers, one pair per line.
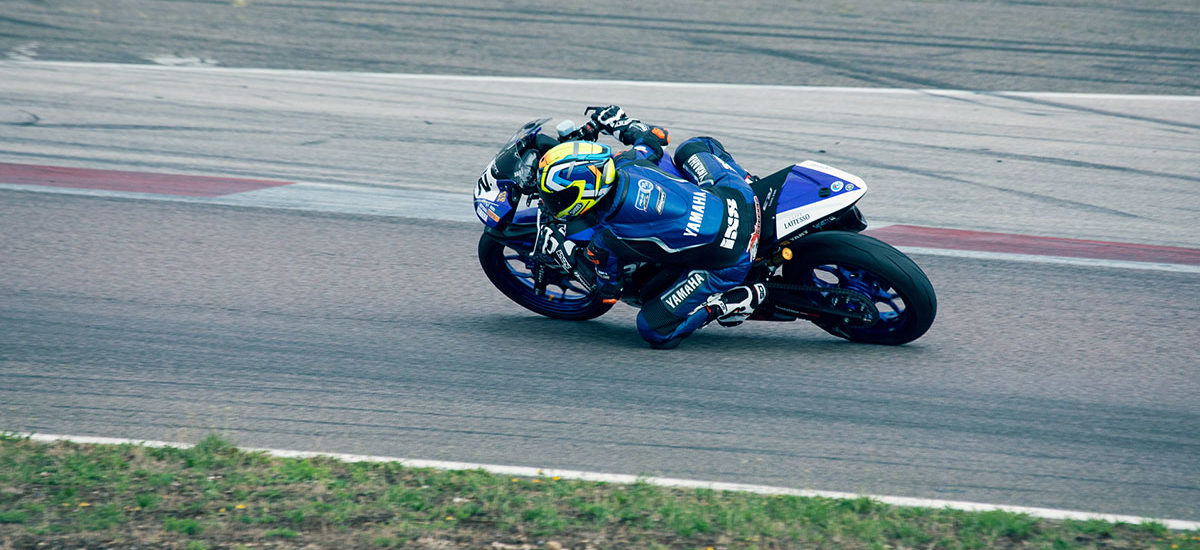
573, 176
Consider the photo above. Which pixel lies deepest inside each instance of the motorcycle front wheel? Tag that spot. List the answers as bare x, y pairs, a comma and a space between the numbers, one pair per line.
511, 271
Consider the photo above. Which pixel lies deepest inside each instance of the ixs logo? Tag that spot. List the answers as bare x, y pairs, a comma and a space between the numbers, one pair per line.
731, 229
693, 282
696, 217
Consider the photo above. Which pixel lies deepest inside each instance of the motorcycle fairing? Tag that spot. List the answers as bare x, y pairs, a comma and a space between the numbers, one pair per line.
524, 223
491, 199
494, 198
811, 191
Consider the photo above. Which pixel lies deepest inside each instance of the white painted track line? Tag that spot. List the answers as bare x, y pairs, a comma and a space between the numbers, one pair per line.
1053, 260
606, 82
457, 207
525, 471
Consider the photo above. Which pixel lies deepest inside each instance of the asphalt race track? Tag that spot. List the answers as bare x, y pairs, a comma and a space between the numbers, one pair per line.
1112, 46
338, 306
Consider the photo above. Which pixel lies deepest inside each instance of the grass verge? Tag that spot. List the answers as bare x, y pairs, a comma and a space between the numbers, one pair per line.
214, 496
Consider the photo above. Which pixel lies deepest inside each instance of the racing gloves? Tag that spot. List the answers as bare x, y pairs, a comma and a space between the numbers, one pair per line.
611, 118
550, 247
628, 130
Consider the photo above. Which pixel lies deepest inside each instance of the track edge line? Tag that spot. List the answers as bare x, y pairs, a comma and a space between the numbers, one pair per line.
526, 471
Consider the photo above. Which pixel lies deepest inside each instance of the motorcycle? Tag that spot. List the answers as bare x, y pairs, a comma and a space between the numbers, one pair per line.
816, 264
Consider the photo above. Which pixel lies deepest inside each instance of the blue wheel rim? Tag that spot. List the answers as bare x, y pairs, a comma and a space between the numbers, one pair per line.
563, 294
893, 311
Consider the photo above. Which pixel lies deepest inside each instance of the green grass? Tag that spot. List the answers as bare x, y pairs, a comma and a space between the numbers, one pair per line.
183, 525
216, 496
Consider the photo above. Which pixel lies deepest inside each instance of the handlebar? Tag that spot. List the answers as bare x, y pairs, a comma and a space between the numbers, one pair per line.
591, 130
588, 132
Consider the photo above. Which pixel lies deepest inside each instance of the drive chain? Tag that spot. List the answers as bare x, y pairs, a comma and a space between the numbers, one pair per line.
869, 314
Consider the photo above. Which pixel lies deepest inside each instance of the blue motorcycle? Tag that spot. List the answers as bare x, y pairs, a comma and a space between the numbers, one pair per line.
811, 256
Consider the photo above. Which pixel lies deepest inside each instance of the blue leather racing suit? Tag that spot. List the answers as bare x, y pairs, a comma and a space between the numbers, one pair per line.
704, 228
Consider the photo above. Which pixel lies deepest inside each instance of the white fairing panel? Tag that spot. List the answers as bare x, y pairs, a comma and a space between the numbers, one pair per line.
835, 172
801, 203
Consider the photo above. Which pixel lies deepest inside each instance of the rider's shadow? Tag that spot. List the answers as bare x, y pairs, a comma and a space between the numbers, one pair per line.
619, 333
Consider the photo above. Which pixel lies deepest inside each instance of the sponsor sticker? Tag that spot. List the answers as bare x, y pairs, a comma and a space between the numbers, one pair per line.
837, 186
645, 187
752, 247
796, 221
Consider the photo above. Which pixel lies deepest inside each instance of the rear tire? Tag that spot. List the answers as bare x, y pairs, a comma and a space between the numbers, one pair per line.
899, 288
510, 270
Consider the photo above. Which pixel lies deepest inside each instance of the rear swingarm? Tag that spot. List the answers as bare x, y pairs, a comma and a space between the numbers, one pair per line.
787, 302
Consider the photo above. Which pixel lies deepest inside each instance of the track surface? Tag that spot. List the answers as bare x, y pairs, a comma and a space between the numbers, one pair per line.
1110, 168
295, 330
1043, 385
1042, 45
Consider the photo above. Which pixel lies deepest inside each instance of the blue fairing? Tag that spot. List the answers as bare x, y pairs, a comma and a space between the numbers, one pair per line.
528, 216
494, 190
491, 205
805, 186
585, 235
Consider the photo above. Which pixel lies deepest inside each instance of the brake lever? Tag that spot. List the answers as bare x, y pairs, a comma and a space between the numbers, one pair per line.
588, 132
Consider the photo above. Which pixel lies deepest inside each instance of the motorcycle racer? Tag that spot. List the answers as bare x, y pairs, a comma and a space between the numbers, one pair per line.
706, 227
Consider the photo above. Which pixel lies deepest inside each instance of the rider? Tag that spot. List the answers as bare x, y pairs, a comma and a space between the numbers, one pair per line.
705, 228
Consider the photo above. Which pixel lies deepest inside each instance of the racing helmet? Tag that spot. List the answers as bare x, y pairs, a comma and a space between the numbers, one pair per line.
573, 176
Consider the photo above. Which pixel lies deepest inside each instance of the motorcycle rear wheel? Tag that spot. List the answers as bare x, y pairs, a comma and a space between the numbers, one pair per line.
844, 260
511, 271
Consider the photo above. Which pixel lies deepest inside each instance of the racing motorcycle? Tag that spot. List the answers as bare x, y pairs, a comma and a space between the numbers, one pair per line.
811, 256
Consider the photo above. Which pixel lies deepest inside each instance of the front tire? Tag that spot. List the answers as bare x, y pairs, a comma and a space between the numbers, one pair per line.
899, 288
510, 270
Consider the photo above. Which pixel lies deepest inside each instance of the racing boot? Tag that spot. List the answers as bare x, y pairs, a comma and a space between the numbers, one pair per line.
735, 305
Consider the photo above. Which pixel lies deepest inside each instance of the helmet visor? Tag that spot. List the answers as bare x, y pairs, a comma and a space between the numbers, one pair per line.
558, 204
